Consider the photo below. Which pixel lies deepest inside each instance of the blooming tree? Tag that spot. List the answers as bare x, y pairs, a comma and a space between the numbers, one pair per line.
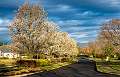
32, 33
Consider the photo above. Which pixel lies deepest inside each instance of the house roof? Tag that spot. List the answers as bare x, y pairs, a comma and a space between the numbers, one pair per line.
8, 48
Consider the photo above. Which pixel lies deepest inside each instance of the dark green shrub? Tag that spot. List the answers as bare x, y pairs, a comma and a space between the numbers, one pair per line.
118, 57
65, 60
26, 63
36, 57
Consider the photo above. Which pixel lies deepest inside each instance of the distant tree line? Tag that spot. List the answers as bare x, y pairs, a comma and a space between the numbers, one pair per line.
107, 44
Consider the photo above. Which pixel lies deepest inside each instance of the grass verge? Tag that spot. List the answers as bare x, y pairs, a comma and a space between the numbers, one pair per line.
8, 68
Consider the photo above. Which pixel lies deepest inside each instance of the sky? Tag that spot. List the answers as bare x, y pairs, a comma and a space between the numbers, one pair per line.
82, 19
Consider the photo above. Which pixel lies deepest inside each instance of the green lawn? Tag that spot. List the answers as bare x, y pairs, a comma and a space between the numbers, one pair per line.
112, 69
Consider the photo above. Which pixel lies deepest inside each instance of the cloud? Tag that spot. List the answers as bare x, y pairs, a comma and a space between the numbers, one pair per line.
61, 8
112, 3
84, 42
4, 26
81, 22
84, 35
103, 6
4, 22
3, 29
83, 31
80, 29
87, 13
69, 22
4, 34
78, 35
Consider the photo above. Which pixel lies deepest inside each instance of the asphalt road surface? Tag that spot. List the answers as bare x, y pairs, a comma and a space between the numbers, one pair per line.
84, 68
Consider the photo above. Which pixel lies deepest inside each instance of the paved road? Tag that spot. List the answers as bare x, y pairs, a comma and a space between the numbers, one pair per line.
81, 69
